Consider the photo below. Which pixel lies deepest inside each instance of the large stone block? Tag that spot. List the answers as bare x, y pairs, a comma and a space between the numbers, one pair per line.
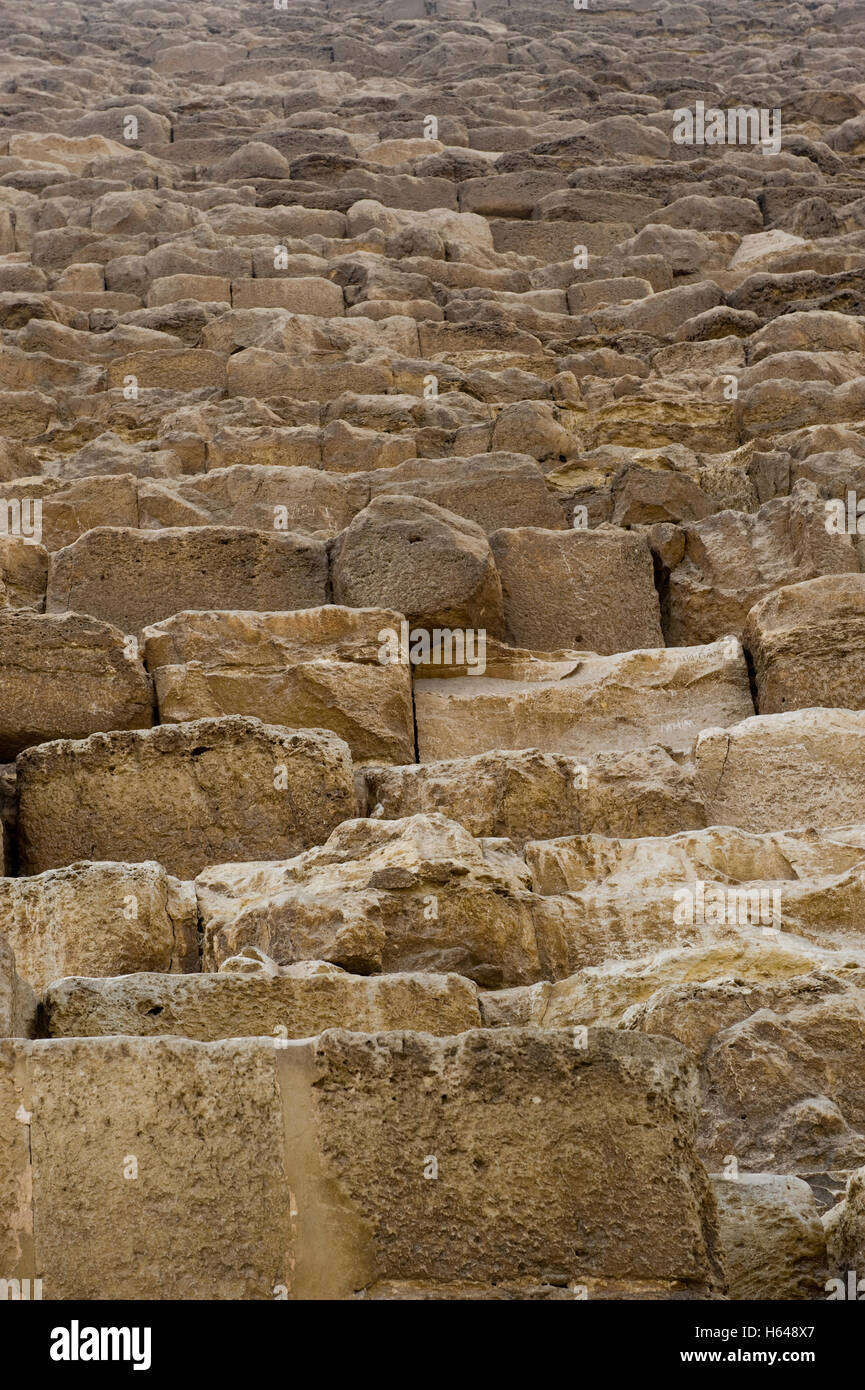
99, 919
493, 490
413, 556
772, 1240
529, 795
186, 794
132, 578
251, 995
807, 645
580, 704
66, 676
413, 894
252, 1170
629, 897
714, 571
274, 499
804, 768
572, 590
317, 668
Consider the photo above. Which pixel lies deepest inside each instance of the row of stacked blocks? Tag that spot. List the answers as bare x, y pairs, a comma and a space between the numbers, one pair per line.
432, 640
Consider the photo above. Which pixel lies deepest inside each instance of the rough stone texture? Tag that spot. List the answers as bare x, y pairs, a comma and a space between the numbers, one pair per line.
67, 676
529, 795
378, 896
420, 559
772, 1240
722, 566
580, 704
629, 897
804, 768
99, 919
132, 578
845, 1234
17, 997
333, 1198
577, 589
807, 645
286, 365
317, 668
252, 995
185, 794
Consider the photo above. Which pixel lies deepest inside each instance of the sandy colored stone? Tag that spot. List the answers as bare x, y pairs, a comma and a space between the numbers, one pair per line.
590, 590
803, 768
731, 560
411, 555
133, 578
807, 644
23, 573
66, 676
317, 668
580, 704
251, 995
413, 894
772, 1240
186, 794
529, 795
99, 919
275, 499
17, 997
626, 898
266, 1172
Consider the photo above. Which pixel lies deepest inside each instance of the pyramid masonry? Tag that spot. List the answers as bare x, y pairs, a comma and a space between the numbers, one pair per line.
432, 656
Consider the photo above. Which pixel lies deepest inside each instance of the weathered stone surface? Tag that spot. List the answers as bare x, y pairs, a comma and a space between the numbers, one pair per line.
133, 578
336, 1207
251, 995
772, 1240
413, 894
807, 645
803, 768
720, 567
66, 676
627, 897
213, 789
317, 668
99, 919
270, 499
580, 704
320, 399
577, 589
845, 1238
529, 795
780, 1067
420, 559
17, 997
